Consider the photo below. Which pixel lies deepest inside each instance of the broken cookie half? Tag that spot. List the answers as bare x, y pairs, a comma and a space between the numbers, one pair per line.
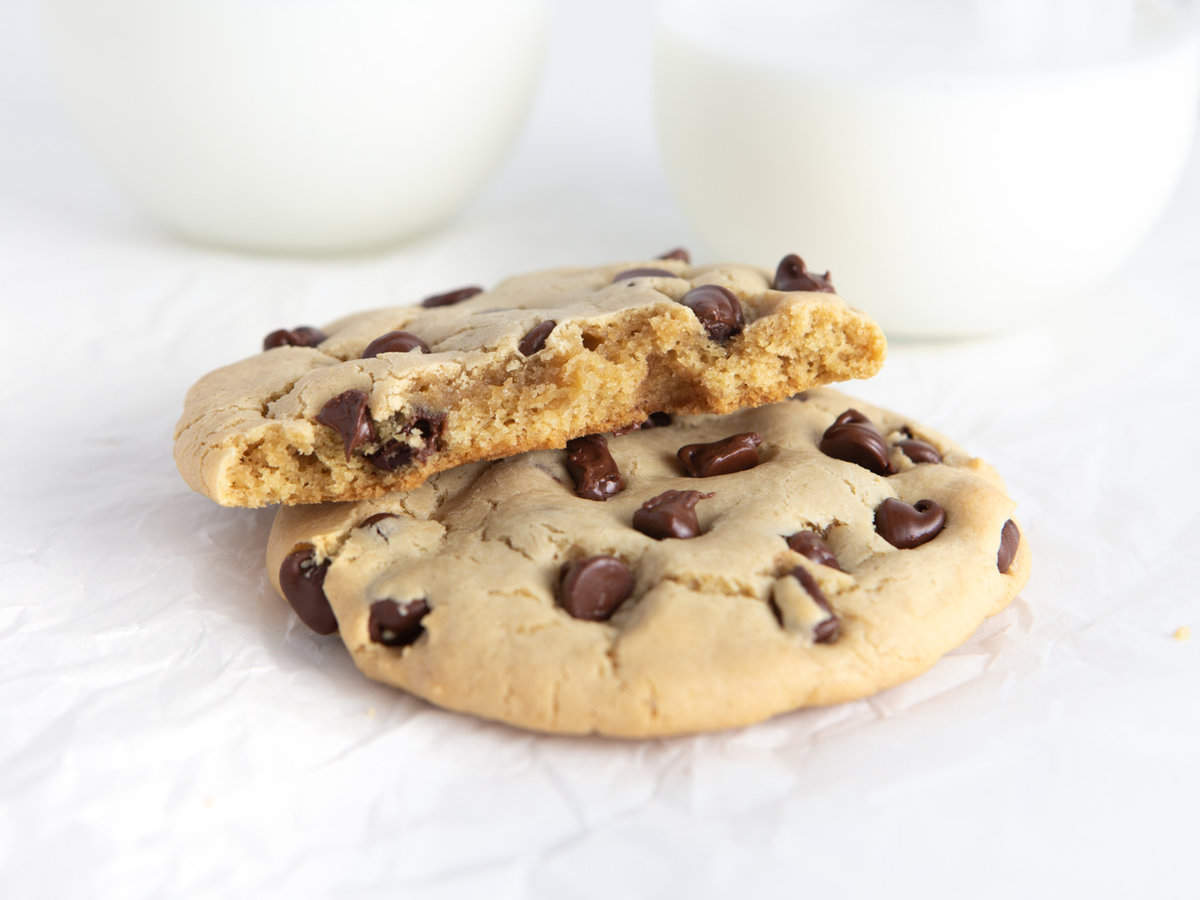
381, 400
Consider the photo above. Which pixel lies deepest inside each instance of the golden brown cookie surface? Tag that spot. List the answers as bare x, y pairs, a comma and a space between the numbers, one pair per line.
785, 573
381, 400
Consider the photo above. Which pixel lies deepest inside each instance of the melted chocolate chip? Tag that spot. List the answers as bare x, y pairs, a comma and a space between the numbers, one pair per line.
1010, 539
732, 454
348, 415
593, 469
678, 253
451, 297
853, 438
811, 546
300, 336
378, 517
302, 580
654, 420
793, 275
827, 630
717, 309
905, 526
535, 338
392, 454
593, 588
397, 452
394, 625
919, 451
643, 272
672, 514
851, 416
394, 342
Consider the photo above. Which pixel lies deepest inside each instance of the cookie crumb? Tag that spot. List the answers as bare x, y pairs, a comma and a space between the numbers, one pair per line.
1183, 633
208, 802
370, 712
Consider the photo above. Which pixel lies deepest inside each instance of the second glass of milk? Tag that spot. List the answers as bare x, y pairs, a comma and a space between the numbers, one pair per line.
955, 163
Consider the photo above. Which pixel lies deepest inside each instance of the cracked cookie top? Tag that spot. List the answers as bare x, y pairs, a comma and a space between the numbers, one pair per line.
691, 573
381, 400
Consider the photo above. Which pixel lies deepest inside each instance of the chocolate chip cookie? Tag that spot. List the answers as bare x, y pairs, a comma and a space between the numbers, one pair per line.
381, 400
690, 573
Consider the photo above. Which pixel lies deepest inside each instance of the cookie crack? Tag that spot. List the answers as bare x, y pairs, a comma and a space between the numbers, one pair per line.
613, 655
276, 396
714, 584
508, 542
559, 538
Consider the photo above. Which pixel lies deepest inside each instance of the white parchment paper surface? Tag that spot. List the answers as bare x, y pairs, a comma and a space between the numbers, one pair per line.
168, 728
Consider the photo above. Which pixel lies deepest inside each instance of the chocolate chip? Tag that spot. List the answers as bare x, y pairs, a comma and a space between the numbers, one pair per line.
394, 625
302, 580
535, 338
593, 469
392, 454
802, 396
654, 420
378, 517
644, 272
672, 514
451, 297
732, 454
919, 451
593, 588
397, 452
348, 415
827, 630
905, 526
717, 309
810, 545
678, 253
793, 275
1010, 539
394, 342
851, 416
300, 336
853, 438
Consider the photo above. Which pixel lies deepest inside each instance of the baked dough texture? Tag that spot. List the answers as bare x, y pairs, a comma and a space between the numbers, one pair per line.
718, 632
619, 350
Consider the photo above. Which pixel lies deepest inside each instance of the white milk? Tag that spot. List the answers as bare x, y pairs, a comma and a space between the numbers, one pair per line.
299, 124
956, 165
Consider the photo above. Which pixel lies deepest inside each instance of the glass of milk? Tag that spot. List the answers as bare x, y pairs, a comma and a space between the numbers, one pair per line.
299, 125
955, 163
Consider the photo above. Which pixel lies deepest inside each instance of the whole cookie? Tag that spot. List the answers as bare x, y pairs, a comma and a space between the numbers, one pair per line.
803, 553
381, 400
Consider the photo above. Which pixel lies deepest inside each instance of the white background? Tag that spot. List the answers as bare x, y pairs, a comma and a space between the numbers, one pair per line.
167, 728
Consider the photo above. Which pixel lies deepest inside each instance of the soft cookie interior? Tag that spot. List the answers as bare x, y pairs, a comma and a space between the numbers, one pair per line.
381, 400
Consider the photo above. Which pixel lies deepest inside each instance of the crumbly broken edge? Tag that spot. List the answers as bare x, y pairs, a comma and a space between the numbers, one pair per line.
612, 374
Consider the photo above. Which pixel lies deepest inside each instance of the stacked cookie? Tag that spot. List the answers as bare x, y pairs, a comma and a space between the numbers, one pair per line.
609, 499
